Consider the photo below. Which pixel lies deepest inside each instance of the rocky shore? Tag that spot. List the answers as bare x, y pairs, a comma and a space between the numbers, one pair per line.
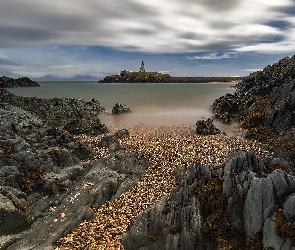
7, 82
50, 179
66, 182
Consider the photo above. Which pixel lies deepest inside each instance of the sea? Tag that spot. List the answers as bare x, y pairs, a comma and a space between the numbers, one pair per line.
151, 103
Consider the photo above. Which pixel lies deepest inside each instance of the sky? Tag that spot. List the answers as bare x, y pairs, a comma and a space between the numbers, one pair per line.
89, 39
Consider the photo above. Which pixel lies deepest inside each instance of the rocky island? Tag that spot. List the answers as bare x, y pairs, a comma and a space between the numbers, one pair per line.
155, 77
68, 182
7, 82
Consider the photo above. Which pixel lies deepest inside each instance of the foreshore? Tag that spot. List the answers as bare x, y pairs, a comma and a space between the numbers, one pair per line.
167, 148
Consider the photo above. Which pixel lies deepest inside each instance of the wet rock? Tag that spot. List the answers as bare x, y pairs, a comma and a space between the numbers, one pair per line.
206, 127
120, 109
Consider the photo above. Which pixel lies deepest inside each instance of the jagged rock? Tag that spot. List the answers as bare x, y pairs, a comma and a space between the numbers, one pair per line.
112, 142
120, 109
209, 209
206, 127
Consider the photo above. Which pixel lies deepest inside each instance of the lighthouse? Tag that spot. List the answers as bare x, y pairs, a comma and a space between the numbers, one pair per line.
142, 69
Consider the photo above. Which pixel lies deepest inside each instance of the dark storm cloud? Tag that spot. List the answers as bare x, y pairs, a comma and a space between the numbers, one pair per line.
11, 36
149, 26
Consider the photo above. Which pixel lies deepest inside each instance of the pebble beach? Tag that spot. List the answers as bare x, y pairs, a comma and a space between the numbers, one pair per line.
166, 148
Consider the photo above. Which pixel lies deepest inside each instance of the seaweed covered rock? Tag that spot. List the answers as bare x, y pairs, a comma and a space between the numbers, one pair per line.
120, 109
264, 98
240, 204
206, 127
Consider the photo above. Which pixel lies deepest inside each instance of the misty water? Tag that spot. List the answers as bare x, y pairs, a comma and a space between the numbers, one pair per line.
151, 103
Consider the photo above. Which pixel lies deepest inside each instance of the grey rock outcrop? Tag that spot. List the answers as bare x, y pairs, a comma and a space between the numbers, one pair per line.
120, 109
241, 205
206, 127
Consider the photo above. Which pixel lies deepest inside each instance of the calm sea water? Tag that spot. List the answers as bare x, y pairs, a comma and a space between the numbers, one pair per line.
151, 103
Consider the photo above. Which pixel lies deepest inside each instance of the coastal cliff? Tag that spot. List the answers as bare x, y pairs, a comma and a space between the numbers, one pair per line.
7, 82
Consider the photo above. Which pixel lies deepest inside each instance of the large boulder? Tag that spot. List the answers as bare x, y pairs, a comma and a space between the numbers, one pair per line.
206, 127
120, 109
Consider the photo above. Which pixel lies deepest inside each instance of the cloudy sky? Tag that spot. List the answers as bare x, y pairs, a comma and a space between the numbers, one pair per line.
92, 38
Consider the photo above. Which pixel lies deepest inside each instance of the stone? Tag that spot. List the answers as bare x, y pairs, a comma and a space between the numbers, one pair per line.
206, 127
120, 109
